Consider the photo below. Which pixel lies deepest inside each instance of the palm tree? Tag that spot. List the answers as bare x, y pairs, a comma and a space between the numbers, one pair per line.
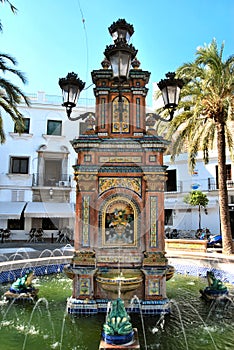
205, 115
13, 9
11, 95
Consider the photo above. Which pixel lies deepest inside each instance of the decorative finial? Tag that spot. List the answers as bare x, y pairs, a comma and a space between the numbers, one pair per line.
136, 63
105, 63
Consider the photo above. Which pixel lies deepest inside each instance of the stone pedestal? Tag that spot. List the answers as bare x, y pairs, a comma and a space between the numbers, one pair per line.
133, 345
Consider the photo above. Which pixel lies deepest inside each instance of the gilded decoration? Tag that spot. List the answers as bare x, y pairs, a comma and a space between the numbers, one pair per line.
83, 258
133, 184
120, 116
119, 259
85, 221
117, 159
119, 223
153, 221
154, 259
155, 182
84, 286
153, 287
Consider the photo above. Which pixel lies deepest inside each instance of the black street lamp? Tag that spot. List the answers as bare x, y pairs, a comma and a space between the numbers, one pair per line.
170, 88
71, 87
121, 55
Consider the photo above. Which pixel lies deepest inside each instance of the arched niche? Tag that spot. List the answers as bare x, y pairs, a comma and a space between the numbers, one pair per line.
119, 222
120, 116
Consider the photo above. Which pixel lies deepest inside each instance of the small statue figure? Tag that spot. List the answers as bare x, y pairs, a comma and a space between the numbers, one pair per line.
216, 288
22, 287
214, 283
118, 328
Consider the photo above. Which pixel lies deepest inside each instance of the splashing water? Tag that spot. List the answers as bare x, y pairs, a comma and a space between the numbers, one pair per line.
41, 300
206, 326
181, 322
142, 320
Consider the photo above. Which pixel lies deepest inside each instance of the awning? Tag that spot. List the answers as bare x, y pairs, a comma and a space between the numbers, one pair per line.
49, 210
11, 210
177, 205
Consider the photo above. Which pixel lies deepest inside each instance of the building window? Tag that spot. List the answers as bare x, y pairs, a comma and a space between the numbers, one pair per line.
17, 195
168, 217
19, 165
26, 126
228, 172
50, 224
15, 224
54, 127
171, 181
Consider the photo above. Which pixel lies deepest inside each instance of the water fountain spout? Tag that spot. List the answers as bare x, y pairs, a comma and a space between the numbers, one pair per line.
117, 329
119, 289
135, 298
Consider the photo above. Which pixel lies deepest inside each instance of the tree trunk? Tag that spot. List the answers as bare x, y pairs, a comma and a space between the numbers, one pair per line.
223, 193
199, 211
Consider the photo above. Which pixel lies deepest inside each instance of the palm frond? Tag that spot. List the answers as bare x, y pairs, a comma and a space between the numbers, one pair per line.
13, 8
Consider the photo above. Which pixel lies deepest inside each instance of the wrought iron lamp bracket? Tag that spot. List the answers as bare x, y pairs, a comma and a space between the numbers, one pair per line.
82, 116
157, 116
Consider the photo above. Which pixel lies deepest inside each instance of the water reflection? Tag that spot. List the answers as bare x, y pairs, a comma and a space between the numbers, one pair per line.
193, 323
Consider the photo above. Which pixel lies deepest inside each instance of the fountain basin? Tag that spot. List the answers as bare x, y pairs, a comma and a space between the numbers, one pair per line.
112, 281
169, 272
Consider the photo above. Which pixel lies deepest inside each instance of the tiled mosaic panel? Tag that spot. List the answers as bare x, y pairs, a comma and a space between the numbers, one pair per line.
10, 276
200, 271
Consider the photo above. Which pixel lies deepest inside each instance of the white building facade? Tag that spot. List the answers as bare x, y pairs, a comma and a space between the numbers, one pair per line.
36, 176
181, 216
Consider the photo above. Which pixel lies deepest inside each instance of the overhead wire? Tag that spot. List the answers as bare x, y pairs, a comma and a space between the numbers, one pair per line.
87, 48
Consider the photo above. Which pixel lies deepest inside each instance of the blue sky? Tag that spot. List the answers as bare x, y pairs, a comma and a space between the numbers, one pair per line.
50, 38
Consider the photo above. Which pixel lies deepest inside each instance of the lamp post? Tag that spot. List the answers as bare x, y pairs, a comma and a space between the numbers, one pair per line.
120, 55
170, 89
71, 87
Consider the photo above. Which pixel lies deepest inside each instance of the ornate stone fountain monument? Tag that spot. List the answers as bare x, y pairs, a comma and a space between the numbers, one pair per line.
120, 176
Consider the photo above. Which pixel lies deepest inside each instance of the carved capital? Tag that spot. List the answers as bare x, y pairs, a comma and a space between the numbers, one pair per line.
84, 258
85, 182
154, 259
155, 182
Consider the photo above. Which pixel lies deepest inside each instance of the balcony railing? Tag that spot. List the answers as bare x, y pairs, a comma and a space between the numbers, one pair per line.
213, 185
206, 185
42, 97
64, 180
174, 187
230, 184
